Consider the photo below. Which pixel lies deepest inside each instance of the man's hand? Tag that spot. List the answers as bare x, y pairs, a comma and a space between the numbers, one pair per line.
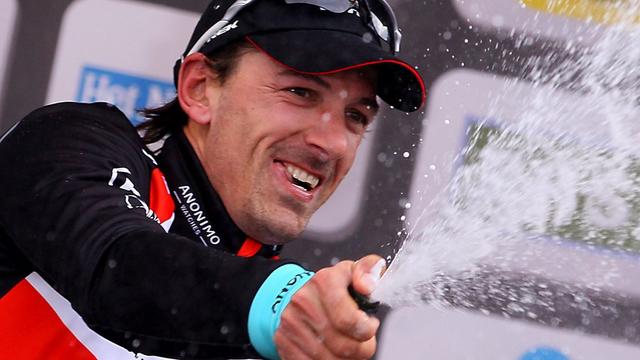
322, 321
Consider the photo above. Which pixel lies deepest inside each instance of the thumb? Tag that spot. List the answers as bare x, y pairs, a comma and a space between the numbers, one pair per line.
366, 273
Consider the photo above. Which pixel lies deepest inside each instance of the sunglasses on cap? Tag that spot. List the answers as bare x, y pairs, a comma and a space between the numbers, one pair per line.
377, 15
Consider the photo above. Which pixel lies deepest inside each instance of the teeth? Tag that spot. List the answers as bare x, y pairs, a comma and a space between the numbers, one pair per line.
303, 176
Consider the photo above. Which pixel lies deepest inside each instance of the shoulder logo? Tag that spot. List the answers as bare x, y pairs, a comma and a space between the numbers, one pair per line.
132, 199
123, 181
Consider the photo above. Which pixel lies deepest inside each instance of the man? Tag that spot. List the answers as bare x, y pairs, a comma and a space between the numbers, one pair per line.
108, 249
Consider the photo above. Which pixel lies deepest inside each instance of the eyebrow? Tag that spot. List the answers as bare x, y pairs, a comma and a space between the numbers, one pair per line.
370, 102
314, 78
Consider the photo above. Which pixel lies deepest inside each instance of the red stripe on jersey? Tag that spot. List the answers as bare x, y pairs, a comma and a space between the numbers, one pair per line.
30, 329
160, 200
249, 248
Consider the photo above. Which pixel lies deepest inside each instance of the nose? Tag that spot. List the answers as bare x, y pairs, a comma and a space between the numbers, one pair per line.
329, 135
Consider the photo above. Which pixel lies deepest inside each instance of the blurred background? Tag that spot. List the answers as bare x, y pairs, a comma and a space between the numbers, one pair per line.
576, 293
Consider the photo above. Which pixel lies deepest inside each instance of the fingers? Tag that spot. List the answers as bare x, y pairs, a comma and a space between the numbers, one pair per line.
366, 273
347, 347
299, 343
341, 309
300, 337
287, 349
322, 321
297, 340
353, 322
306, 304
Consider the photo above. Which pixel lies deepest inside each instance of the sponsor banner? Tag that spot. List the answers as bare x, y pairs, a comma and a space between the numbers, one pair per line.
427, 332
597, 10
461, 99
8, 11
538, 18
128, 92
114, 51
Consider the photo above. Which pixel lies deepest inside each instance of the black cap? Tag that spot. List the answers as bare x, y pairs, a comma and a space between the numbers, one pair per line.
311, 40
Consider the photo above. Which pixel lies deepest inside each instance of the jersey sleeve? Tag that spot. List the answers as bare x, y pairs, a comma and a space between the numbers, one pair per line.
75, 182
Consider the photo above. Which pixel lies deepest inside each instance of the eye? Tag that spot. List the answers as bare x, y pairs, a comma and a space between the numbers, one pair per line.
357, 117
301, 92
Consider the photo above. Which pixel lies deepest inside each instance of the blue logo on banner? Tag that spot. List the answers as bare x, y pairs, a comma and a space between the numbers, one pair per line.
544, 353
129, 93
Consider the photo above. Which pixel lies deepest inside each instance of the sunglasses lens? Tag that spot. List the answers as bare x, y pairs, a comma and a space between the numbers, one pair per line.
385, 28
335, 6
381, 29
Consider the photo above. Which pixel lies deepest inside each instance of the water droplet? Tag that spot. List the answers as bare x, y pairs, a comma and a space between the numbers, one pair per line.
406, 154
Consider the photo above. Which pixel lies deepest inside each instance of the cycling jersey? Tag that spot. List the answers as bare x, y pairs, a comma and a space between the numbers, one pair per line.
107, 249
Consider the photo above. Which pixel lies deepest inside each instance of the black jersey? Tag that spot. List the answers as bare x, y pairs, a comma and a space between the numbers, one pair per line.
122, 247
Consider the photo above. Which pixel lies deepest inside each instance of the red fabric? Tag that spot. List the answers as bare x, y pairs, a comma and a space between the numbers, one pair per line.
30, 329
160, 200
249, 248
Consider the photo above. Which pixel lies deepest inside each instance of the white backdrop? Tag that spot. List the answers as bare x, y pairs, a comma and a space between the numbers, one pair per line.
8, 12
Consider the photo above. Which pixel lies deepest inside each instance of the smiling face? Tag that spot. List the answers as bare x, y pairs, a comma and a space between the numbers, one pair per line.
278, 143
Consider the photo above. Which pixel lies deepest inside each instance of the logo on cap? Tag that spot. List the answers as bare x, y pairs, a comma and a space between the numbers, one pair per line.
224, 29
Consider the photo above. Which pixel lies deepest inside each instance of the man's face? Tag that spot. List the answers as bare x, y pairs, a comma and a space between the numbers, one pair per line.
279, 143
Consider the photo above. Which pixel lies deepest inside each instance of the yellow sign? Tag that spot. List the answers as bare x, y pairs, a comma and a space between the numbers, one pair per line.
602, 11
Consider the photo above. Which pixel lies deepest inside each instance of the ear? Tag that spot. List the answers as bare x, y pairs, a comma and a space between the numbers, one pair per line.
192, 88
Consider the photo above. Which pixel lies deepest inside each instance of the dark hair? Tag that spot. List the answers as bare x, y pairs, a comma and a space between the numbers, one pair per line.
170, 118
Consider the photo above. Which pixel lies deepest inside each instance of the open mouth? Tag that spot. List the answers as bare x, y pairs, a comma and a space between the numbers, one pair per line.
302, 179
